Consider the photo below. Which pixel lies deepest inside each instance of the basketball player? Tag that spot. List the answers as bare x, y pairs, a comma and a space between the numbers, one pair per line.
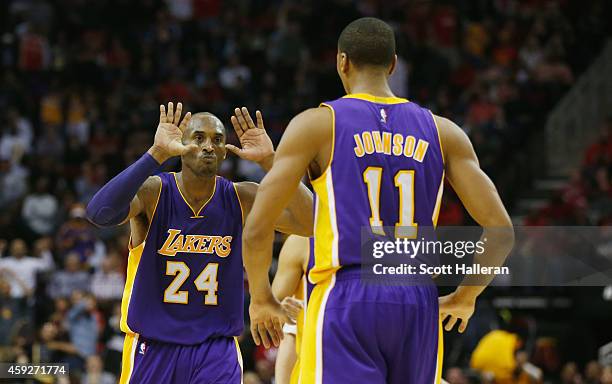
374, 159
290, 288
183, 301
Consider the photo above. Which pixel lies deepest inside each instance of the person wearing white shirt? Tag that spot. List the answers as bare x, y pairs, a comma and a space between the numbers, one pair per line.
20, 270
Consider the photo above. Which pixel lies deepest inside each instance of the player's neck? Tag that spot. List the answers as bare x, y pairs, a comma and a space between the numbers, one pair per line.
372, 84
197, 189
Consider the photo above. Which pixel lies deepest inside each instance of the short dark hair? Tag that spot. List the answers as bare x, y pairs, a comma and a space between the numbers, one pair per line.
368, 41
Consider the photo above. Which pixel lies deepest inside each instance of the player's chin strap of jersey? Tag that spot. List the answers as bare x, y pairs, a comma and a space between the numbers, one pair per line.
111, 205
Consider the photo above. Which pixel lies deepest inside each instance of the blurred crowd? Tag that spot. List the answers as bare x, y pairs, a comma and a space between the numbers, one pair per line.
80, 86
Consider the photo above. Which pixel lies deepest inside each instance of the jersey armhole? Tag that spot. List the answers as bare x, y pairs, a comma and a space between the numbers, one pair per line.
239, 202
161, 185
331, 155
433, 117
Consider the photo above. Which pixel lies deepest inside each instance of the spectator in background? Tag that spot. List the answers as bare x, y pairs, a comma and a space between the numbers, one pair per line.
114, 341
592, 372
13, 182
40, 209
570, 374
455, 375
10, 313
498, 356
13, 144
51, 347
109, 281
20, 270
606, 375
82, 325
77, 235
23, 128
50, 144
94, 373
234, 76
70, 279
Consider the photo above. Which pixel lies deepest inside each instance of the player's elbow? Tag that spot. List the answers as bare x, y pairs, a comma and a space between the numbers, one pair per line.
104, 216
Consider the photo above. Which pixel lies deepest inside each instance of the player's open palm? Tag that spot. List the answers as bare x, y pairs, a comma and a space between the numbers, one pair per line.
169, 134
267, 320
456, 309
255, 142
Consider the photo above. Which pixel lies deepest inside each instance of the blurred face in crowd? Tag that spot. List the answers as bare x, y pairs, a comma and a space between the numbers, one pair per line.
48, 332
18, 248
94, 364
208, 133
592, 371
73, 262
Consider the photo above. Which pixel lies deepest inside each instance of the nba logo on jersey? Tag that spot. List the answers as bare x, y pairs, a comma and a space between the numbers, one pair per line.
383, 116
143, 347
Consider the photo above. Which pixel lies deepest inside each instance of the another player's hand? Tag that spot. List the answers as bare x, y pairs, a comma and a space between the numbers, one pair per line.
292, 307
267, 320
168, 137
255, 142
455, 307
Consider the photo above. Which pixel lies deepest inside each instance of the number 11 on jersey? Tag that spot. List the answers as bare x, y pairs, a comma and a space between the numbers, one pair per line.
404, 181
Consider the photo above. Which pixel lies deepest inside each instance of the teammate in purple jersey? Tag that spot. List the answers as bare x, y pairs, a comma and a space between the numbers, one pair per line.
376, 161
182, 305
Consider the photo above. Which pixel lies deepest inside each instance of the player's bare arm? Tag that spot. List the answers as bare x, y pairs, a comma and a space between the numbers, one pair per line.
257, 147
292, 262
299, 147
131, 195
479, 196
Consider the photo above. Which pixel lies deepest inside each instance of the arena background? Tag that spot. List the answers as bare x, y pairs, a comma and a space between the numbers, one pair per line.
81, 81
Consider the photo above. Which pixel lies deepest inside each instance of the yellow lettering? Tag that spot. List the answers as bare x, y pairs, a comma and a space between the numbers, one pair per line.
165, 249
398, 143
215, 240
378, 144
386, 143
367, 142
419, 154
409, 146
225, 247
359, 152
190, 245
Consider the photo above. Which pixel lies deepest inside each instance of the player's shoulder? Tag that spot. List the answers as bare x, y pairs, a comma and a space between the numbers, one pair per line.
314, 117
151, 187
452, 137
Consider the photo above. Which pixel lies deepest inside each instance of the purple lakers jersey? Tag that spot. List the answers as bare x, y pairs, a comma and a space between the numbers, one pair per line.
185, 281
386, 170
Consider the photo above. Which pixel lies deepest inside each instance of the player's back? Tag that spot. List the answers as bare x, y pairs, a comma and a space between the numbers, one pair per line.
386, 170
185, 281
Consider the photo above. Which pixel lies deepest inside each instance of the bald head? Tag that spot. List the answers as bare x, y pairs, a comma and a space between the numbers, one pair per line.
201, 119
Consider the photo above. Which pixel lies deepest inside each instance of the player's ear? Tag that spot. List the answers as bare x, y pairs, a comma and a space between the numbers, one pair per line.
343, 62
393, 64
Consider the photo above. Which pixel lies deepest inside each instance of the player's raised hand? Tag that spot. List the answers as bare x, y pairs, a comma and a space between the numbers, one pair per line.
456, 308
168, 137
255, 142
267, 320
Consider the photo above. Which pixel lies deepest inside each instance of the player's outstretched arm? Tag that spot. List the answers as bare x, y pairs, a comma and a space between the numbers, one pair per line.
306, 133
126, 195
479, 196
257, 147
